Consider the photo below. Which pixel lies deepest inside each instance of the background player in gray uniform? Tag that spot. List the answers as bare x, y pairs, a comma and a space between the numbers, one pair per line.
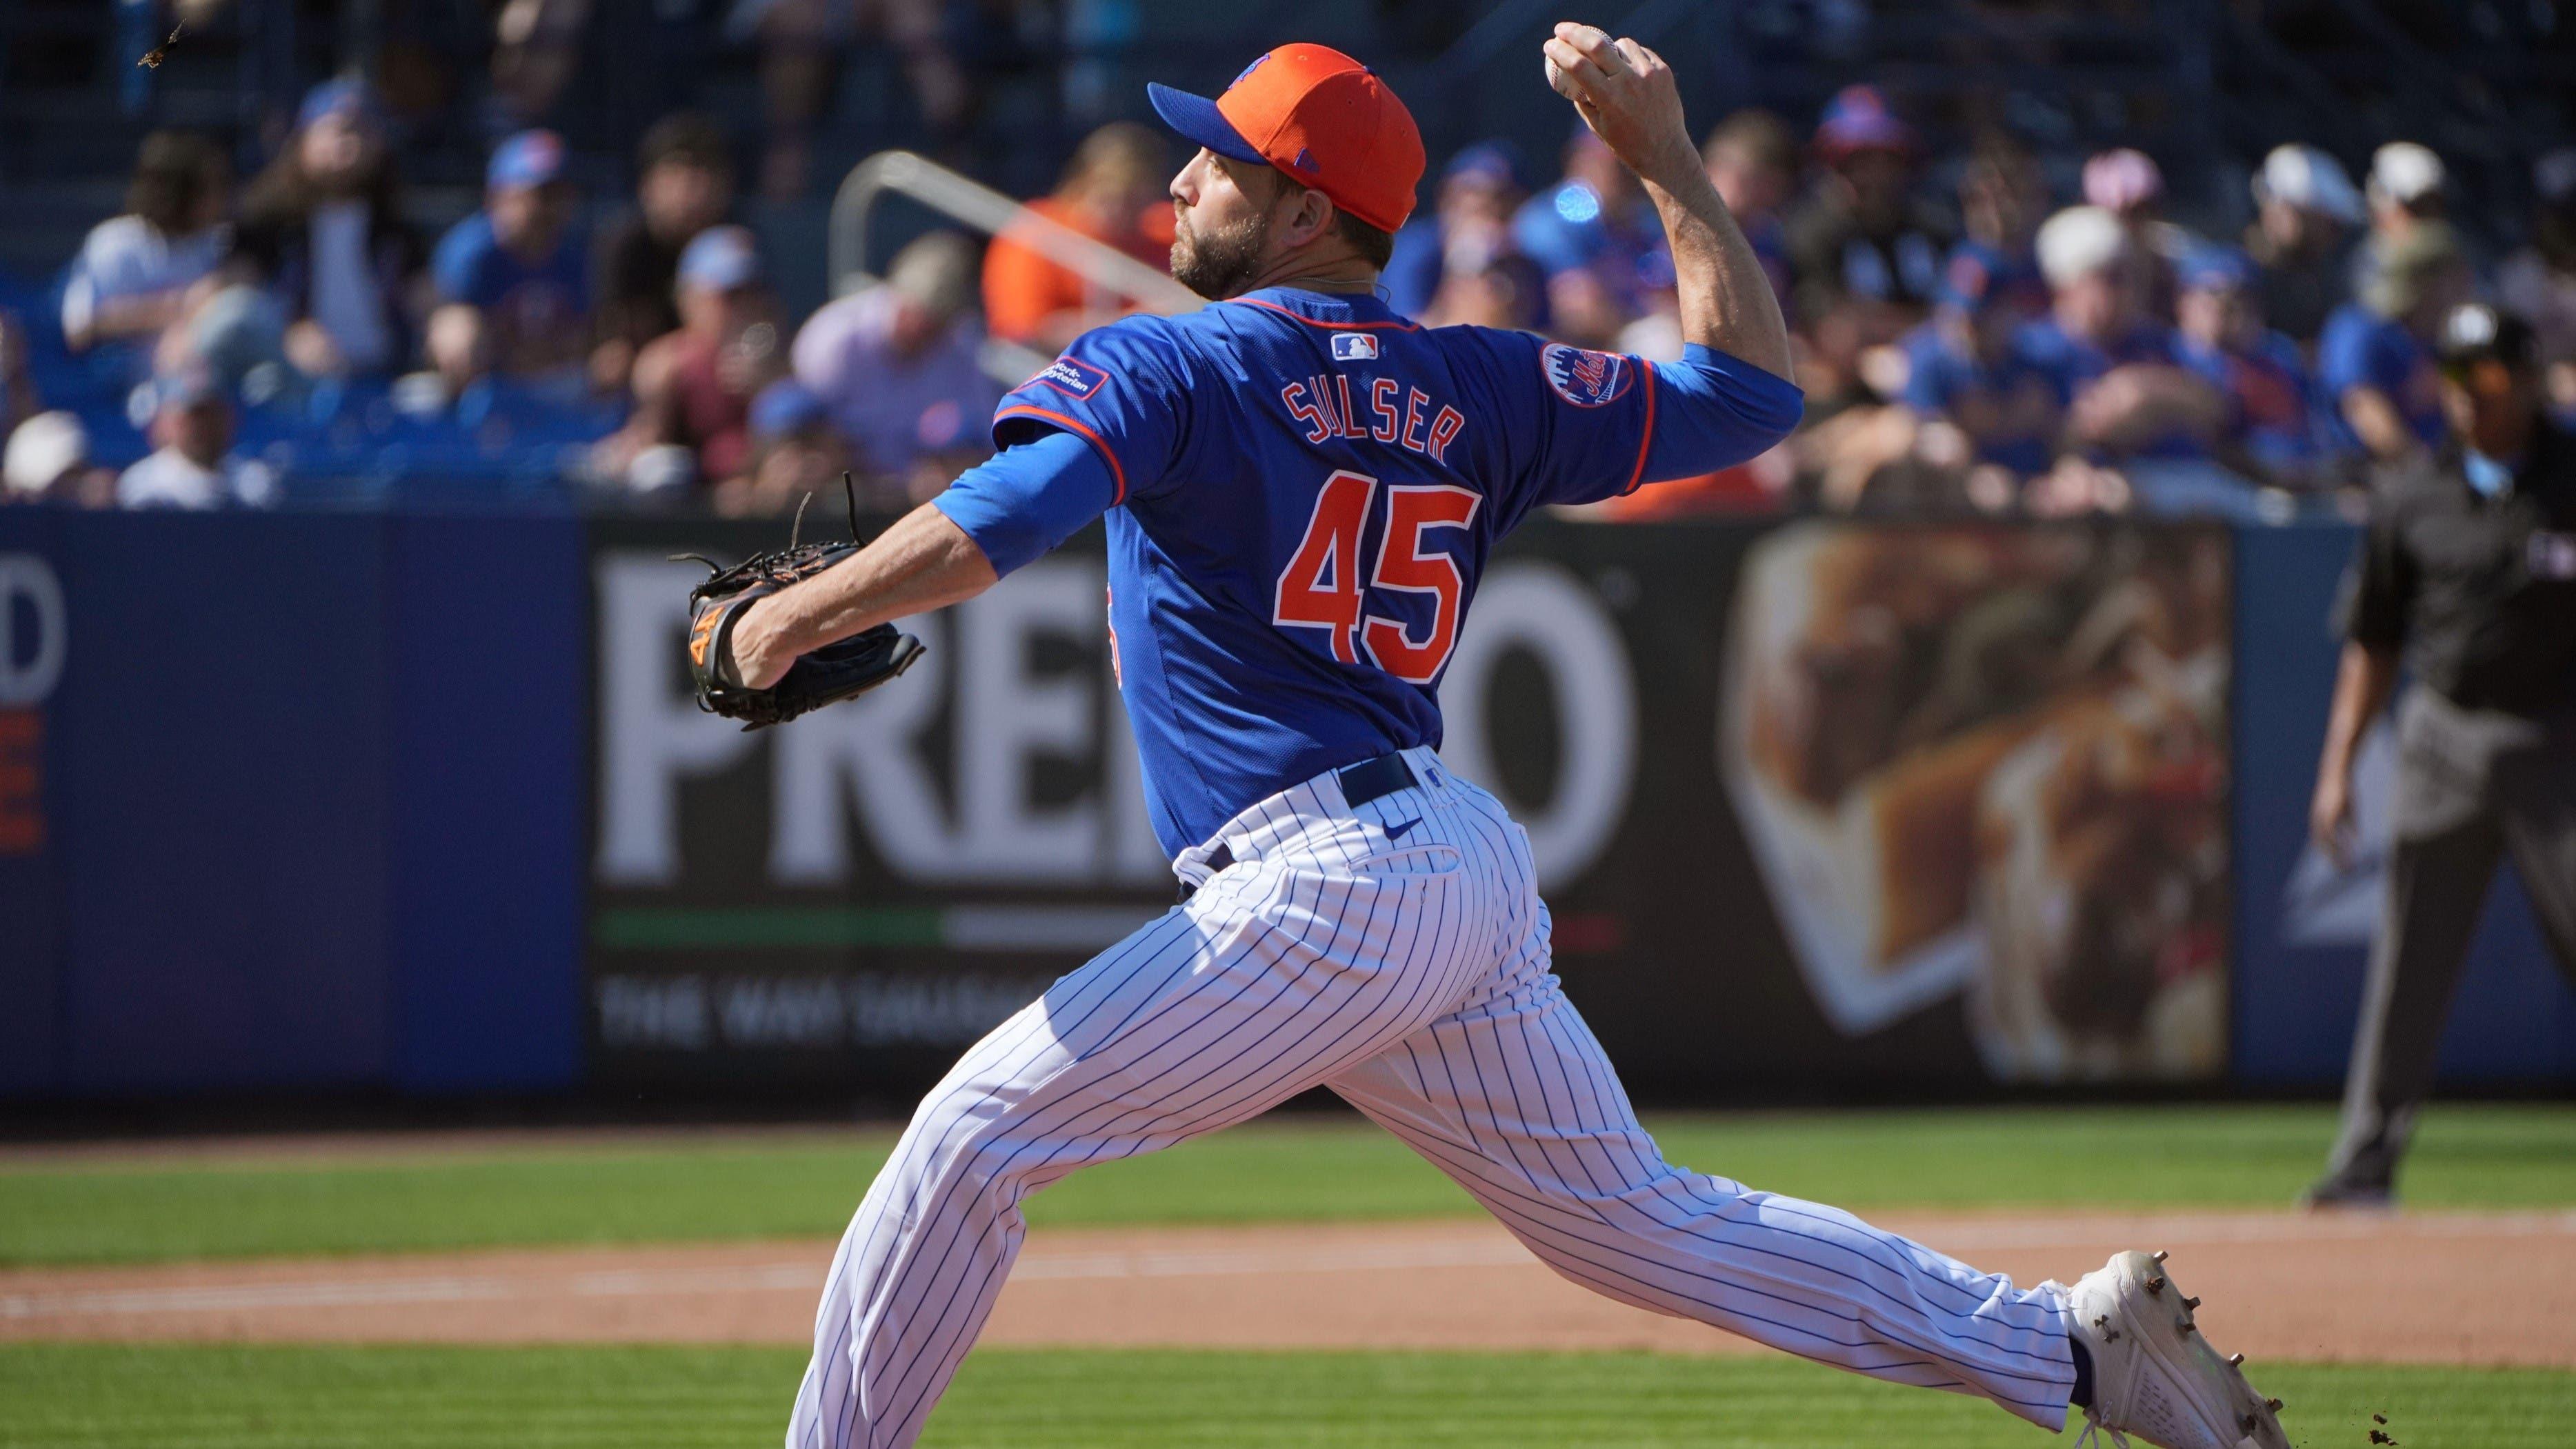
2468, 577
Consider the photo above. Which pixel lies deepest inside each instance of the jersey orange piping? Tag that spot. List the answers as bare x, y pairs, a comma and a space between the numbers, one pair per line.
1647, 440
1399, 324
1116, 473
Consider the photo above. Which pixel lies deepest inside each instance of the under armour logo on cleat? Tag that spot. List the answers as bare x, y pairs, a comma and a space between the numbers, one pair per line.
1396, 832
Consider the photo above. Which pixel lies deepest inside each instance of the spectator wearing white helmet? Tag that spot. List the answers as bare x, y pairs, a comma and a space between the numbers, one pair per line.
2406, 181
2306, 211
2115, 368
2407, 189
48, 462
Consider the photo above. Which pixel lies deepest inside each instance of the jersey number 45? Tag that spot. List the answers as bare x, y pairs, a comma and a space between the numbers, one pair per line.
1320, 588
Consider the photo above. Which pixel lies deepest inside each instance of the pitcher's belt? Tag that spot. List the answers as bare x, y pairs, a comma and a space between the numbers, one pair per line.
1361, 783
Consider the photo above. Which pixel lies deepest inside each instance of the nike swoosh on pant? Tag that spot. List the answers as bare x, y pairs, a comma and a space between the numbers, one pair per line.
1396, 832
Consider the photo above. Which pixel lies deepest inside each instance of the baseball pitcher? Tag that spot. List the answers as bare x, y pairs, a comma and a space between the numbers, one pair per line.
1302, 489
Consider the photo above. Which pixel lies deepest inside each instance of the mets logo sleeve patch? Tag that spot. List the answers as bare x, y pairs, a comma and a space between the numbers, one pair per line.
1583, 377
1574, 424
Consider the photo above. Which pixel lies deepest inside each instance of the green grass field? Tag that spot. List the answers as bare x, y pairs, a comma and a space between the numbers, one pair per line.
694, 1188
111, 1397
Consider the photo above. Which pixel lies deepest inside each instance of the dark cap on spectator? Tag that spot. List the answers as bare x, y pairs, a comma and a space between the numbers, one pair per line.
530, 158
2214, 268
347, 96
1496, 163
688, 138
1977, 276
192, 387
784, 407
2476, 332
720, 259
1858, 119
2554, 176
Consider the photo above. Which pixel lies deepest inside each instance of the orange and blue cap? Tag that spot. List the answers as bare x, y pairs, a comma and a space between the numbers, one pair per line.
1321, 117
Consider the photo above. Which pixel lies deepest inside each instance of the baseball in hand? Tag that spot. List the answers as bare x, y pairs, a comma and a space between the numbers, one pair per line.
1623, 91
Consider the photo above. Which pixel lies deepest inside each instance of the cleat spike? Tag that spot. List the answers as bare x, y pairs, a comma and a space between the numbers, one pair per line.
2156, 1285
2236, 1360
2161, 1255
2272, 1404
2183, 1327
2191, 1303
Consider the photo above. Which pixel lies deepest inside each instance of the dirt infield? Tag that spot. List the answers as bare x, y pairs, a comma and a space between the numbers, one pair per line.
2463, 1288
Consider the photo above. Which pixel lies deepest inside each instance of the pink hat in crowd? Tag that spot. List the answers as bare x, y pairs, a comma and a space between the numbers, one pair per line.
2122, 180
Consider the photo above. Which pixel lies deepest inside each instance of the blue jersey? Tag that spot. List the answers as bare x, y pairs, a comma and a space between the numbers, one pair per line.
2271, 405
1302, 492
2071, 364
471, 266
1944, 381
2362, 349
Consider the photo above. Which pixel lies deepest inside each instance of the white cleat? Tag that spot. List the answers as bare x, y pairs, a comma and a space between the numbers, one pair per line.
2154, 1376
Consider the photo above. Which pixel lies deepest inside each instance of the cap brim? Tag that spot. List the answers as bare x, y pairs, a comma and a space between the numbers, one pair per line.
725, 278
1198, 119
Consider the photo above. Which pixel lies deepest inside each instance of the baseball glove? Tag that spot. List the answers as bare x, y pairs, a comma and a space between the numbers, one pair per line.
828, 675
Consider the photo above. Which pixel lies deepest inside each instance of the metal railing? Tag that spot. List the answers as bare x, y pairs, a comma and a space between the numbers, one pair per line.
979, 207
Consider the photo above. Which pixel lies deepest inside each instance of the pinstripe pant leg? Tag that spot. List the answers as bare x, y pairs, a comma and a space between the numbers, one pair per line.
1268, 981
1514, 1099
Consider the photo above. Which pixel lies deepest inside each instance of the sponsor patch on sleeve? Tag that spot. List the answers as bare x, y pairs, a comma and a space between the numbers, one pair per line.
1354, 347
1583, 377
1078, 380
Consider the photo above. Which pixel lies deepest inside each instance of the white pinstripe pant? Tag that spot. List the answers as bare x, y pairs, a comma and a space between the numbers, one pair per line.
1409, 973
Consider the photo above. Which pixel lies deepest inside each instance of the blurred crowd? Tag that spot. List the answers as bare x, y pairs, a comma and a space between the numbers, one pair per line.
1971, 337
1970, 341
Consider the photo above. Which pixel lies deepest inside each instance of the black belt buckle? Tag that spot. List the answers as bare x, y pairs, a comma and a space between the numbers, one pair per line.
1374, 779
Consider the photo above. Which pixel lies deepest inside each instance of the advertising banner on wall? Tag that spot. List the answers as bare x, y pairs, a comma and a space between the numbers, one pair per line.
35, 642
1815, 807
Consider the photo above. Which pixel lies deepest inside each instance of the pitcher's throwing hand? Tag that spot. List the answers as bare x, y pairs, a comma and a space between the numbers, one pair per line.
1625, 93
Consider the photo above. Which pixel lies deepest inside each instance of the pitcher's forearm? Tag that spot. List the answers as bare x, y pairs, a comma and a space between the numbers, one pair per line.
1626, 94
923, 562
1726, 297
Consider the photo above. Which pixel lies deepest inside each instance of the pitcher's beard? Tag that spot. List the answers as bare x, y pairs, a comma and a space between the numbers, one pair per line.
1217, 264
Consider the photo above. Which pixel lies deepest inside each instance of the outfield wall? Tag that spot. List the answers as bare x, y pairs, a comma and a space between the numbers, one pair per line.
418, 802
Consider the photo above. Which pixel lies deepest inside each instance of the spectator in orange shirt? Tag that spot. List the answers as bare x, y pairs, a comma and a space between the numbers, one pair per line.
1113, 191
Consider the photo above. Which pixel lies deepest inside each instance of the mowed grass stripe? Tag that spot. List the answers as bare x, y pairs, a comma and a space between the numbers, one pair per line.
78, 1396
716, 1187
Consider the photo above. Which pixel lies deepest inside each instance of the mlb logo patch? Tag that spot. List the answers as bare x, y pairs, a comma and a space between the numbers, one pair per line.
1583, 377
1078, 380
1354, 347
